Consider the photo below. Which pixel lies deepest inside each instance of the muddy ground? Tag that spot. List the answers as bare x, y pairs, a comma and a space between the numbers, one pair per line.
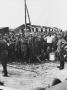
23, 77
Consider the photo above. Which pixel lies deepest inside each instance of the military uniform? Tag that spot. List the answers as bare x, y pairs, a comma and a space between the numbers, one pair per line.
60, 48
4, 56
63, 54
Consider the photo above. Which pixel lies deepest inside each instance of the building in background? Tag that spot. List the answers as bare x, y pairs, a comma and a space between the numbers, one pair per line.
37, 29
4, 30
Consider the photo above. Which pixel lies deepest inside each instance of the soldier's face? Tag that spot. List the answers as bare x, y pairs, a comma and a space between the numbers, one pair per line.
60, 37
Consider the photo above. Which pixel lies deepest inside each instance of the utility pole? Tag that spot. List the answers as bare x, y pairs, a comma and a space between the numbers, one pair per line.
28, 15
29, 18
25, 14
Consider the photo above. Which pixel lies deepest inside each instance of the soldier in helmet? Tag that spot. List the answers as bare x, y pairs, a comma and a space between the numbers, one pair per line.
4, 55
60, 50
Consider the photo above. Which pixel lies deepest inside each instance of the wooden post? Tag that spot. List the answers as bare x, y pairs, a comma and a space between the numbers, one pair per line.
28, 15
25, 15
26, 10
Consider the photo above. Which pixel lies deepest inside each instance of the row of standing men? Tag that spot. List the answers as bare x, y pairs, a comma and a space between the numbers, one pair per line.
32, 50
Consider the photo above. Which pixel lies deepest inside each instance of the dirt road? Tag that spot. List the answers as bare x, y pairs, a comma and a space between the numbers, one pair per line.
32, 76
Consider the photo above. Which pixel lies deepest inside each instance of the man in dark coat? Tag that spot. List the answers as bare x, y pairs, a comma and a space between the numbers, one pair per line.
4, 56
18, 49
61, 45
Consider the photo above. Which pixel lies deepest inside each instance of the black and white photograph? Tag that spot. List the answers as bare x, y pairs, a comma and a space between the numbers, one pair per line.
33, 44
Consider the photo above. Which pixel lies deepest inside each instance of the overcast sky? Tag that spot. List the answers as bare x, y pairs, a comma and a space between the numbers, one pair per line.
42, 12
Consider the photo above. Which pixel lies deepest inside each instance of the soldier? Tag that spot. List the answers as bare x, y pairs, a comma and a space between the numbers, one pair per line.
60, 50
4, 56
18, 48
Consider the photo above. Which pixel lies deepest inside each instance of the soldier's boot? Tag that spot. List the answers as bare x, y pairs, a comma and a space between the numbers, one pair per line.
61, 65
58, 66
5, 74
5, 70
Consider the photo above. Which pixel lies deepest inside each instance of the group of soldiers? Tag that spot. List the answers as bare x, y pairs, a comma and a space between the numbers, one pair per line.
26, 50
32, 50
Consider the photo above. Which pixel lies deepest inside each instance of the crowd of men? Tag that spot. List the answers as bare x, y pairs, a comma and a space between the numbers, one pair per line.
32, 48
